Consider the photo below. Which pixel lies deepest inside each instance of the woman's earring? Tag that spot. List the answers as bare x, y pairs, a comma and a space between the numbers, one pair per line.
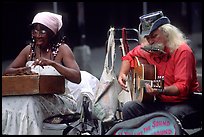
33, 40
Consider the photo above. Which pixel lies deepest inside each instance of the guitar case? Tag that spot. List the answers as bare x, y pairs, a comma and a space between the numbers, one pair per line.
156, 123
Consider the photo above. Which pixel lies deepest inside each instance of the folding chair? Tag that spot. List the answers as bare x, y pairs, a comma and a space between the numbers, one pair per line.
75, 124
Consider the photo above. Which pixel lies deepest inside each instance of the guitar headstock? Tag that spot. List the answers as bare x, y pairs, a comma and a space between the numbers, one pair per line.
158, 83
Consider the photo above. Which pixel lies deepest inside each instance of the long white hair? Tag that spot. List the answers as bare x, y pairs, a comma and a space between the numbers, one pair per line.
174, 36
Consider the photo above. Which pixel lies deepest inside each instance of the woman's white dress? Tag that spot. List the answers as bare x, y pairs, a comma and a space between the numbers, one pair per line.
24, 115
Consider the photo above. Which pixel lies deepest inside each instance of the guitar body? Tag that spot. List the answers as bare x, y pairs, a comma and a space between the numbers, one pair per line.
143, 71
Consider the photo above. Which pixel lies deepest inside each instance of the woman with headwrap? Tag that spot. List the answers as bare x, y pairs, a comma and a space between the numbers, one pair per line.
44, 51
24, 115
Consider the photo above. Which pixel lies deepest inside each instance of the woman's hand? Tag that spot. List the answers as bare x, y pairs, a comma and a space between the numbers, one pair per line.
42, 62
21, 71
24, 70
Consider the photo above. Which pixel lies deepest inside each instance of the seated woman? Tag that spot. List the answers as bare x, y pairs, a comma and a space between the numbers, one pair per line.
24, 115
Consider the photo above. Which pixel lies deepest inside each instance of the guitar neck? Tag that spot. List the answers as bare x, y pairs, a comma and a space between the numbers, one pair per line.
142, 83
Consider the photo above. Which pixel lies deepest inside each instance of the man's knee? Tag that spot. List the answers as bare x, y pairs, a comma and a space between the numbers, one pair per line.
180, 111
132, 109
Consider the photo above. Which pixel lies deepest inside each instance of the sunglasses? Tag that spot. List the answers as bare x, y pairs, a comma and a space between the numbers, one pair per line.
36, 32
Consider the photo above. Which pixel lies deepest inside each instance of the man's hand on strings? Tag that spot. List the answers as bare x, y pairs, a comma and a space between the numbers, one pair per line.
150, 90
122, 81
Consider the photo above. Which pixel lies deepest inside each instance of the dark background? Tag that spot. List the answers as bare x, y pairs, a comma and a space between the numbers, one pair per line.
99, 16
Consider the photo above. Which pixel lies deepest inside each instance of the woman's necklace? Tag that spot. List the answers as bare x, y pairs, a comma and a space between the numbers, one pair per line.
53, 51
47, 51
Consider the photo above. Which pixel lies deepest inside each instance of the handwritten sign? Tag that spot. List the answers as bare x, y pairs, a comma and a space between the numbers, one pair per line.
156, 126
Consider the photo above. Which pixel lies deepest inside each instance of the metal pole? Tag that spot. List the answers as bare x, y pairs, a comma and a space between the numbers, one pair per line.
55, 7
144, 8
80, 6
81, 21
82, 53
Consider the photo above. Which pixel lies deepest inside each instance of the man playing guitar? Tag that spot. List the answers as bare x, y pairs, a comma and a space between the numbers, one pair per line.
167, 49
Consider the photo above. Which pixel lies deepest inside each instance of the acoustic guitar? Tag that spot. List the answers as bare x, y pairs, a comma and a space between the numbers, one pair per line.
145, 73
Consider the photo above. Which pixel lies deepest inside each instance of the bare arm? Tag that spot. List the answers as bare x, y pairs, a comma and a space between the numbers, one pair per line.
169, 90
124, 70
70, 69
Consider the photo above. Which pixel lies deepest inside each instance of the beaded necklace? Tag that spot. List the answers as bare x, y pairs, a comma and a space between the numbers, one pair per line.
54, 50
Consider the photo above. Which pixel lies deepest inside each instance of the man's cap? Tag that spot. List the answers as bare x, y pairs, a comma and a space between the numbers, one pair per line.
150, 22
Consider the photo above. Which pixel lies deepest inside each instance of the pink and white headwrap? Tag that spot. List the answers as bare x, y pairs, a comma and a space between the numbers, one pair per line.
51, 20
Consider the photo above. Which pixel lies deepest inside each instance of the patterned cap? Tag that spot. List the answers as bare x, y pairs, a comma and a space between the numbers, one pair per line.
150, 22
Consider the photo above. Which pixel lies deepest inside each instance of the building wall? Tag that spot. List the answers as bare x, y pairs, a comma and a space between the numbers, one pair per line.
99, 16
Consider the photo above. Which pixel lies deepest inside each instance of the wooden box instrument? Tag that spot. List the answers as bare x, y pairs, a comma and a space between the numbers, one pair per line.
32, 84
